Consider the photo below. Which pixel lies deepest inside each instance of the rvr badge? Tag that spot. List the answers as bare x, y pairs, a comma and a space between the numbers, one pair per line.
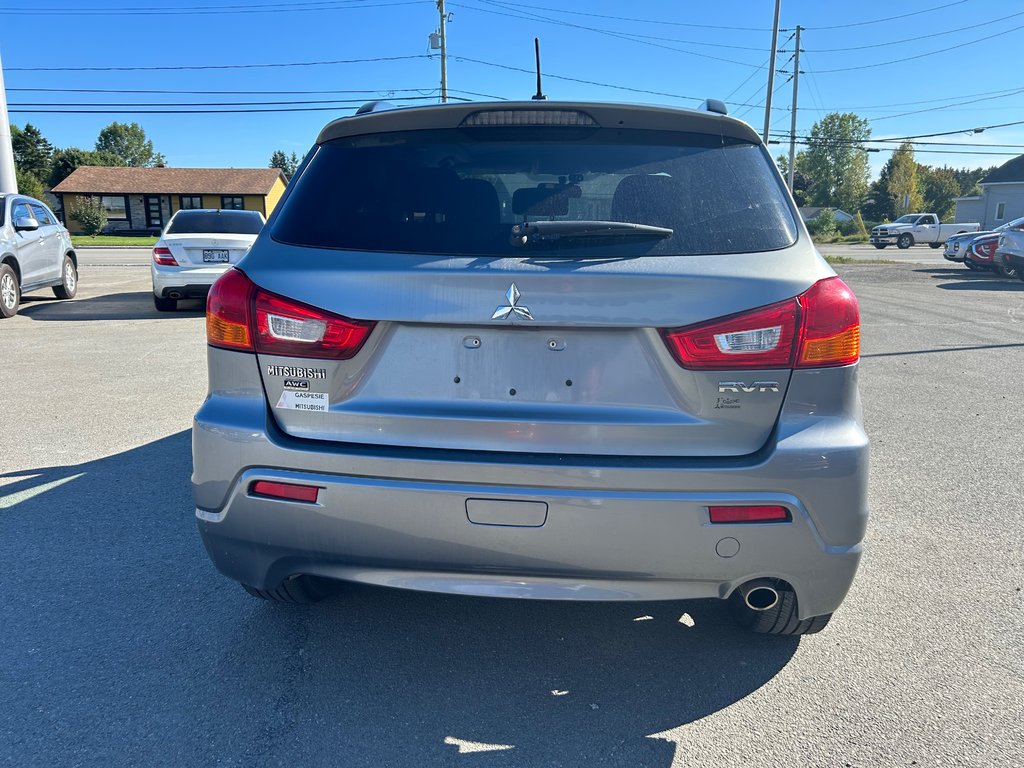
741, 386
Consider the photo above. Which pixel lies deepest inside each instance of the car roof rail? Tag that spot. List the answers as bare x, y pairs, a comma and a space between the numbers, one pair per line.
374, 106
714, 105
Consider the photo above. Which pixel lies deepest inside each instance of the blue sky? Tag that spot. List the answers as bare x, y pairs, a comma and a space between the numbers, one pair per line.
688, 51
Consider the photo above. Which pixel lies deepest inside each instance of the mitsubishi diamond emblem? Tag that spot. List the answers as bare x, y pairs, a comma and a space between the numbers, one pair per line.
512, 309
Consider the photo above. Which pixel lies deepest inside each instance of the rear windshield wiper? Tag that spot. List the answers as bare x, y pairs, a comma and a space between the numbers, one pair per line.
541, 231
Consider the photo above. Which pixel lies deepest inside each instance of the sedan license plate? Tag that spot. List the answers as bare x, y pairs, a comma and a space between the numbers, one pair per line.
214, 255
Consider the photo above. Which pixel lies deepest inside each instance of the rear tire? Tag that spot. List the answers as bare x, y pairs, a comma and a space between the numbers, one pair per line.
781, 619
905, 241
69, 280
299, 589
164, 305
935, 245
880, 246
10, 291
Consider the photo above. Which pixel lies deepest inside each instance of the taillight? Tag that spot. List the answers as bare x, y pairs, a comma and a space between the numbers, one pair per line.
228, 310
831, 327
985, 249
763, 338
819, 328
163, 257
240, 315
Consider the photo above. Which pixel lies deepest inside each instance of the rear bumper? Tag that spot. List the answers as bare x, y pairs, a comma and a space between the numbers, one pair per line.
192, 283
615, 529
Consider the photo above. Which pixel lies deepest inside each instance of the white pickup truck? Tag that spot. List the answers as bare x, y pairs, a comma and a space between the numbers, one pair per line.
917, 228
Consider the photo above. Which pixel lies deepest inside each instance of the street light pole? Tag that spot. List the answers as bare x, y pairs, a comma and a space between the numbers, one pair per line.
771, 72
8, 181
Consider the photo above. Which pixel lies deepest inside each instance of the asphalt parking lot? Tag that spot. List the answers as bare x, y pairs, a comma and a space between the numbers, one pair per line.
120, 644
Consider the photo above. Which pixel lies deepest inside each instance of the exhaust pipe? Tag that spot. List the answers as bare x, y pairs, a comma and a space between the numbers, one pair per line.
174, 294
759, 595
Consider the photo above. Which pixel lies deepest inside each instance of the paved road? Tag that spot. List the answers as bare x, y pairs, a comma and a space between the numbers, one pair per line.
918, 254
120, 645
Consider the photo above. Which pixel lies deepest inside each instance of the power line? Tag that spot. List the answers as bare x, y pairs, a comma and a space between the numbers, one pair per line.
660, 22
213, 10
915, 38
131, 111
215, 66
608, 33
162, 104
947, 49
377, 91
890, 18
574, 79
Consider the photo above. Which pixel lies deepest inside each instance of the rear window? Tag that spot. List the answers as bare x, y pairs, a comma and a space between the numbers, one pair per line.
501, 192
216, 222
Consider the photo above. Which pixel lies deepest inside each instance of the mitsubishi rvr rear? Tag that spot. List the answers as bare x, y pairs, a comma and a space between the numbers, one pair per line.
546, 350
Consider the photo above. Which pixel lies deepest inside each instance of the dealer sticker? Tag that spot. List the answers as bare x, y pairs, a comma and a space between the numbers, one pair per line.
304, 401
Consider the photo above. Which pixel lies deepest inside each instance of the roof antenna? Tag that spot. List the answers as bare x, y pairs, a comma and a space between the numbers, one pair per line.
539, 95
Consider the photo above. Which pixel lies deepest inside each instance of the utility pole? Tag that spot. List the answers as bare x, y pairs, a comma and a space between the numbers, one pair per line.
792, 122
771, 72
444, 52
8, 181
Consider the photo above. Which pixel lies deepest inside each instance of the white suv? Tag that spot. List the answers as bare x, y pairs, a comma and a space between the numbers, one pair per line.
35, 252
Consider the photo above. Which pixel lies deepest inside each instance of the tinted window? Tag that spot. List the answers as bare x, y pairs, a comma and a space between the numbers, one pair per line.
42, 215
216, 222
20, 211
462, 192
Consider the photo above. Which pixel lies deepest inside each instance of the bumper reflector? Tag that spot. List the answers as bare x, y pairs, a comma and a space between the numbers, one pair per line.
761, 514
287, 491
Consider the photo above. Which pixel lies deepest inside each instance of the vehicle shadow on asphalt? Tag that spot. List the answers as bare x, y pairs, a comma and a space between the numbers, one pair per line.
112, 306
973, 281
122, 645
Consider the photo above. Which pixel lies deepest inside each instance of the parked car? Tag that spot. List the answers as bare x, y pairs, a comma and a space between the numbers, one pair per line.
532, 353
980, 255
198, 246
915, 228
1010, 248
956, 246
35, 252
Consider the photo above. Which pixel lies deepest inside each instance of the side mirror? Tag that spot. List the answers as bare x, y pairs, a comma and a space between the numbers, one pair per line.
25, 224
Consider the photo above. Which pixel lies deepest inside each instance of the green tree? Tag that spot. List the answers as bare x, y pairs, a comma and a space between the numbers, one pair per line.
89, 214
287, 163
28, 183
65, 161
860, 229
801, 181
902, 187
127, 141
939, 188
836, 162
824, 224
32, 152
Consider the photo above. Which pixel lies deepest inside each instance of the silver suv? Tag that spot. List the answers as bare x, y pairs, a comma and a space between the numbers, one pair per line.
560, 351
35, 252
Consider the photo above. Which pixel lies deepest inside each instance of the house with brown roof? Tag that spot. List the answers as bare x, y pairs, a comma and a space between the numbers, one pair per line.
143, 199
